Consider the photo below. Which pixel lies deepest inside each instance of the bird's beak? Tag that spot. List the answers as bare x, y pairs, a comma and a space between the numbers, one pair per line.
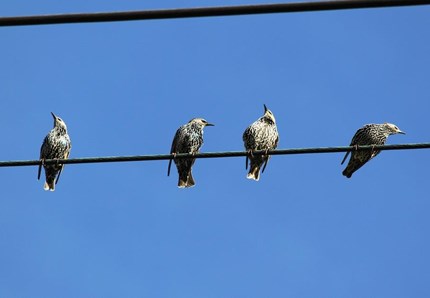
53, 115
265, 108
210, 124
401, 132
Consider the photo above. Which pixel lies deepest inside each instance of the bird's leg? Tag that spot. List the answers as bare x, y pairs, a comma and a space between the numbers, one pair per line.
372, 152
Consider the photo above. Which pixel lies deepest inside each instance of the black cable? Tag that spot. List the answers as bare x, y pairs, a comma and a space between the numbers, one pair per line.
203, 12
18, 163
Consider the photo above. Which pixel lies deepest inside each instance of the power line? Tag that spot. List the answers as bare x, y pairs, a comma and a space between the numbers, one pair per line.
203, 12
18, 163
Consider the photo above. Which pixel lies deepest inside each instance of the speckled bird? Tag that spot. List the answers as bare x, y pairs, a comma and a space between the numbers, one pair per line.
188, 139
260, 135
369, 134
56, 145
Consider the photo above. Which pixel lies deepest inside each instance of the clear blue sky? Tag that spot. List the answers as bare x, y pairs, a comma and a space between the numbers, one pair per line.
304, 230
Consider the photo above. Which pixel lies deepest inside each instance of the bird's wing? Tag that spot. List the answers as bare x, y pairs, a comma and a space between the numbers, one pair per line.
355, 141
173, 149
59, 173
244, 138
245, 133
42, 156
69, 147
43, 148
343, 160
266, 159
39, 171
66, 156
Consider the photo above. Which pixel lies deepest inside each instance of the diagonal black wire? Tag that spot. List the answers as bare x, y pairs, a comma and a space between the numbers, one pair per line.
203, 12
18, 163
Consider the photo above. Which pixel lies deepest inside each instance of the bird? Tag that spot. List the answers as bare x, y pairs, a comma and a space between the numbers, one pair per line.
260, 135
369, 134
188, 139
56, 145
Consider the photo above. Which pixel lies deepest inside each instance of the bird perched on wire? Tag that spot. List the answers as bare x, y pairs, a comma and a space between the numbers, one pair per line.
188, 139
260, 135
369, 134
56, 145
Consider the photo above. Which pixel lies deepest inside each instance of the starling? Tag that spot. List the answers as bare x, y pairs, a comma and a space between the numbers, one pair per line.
56, 145
188, 139
260, 135
369, 134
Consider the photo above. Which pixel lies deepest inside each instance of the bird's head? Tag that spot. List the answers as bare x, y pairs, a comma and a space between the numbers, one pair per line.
268, 116
59, 123
201, 122
393, 129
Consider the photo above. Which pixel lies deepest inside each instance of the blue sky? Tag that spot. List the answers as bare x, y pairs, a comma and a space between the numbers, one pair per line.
304, 230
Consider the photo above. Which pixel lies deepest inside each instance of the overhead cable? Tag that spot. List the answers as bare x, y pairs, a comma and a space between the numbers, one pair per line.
198, 12
18, 163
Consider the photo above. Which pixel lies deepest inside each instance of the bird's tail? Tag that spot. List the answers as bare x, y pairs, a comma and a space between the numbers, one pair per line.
50, 175
49, 184
254, 172
186, 180
352, 166
347, 172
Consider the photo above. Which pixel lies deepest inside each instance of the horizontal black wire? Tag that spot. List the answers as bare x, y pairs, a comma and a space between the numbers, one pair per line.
18, 163
203, 12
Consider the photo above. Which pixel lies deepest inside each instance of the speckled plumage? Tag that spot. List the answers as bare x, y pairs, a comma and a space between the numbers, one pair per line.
56, 145
188, 139
369, 134
260, 135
